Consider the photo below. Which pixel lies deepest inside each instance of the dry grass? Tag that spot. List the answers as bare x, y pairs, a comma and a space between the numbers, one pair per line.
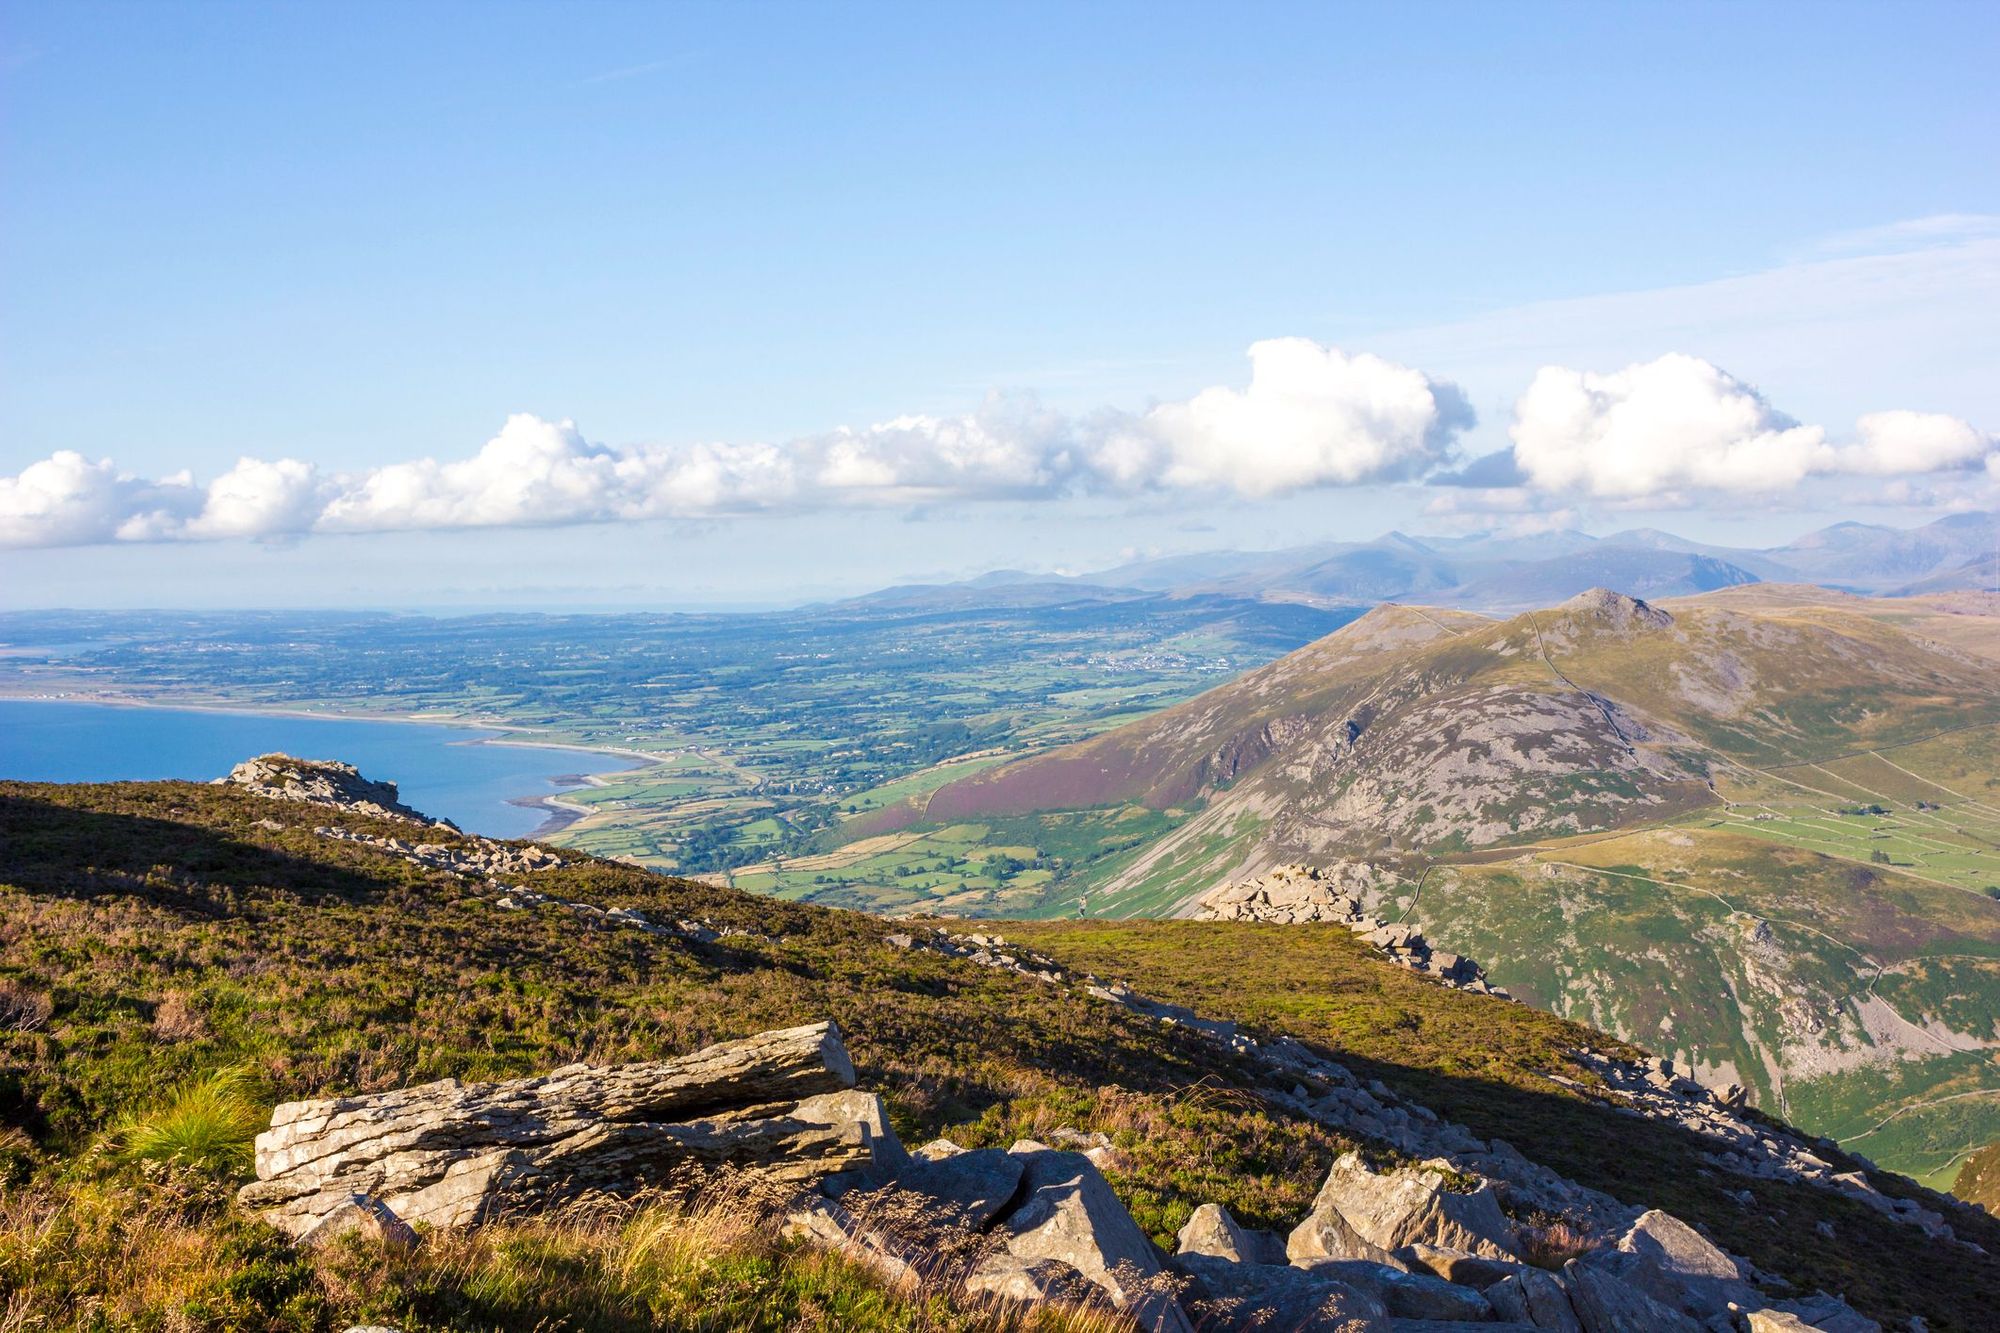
175, 1256
1554, 1244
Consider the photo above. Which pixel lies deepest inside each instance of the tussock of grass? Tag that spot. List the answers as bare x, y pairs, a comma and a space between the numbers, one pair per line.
209, 1125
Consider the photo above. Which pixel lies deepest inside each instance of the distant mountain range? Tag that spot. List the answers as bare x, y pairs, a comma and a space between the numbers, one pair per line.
1953, 554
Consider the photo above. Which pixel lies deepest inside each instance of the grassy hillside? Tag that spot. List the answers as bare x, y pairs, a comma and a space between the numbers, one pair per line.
1820, 922
155, 933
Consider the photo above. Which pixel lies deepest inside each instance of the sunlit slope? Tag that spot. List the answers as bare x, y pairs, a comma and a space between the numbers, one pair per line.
1417, 730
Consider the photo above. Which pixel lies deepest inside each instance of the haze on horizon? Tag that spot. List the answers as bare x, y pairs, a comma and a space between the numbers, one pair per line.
532, 306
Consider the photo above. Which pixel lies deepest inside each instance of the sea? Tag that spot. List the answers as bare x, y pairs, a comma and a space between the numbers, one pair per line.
449, 772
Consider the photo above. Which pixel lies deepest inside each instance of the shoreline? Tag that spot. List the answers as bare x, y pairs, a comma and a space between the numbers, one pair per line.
506, 730
559, 814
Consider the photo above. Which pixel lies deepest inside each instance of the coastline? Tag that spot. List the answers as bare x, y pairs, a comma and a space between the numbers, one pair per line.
505, 731
559, 814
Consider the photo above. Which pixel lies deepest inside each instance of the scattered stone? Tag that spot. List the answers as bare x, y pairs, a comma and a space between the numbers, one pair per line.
1775, 1321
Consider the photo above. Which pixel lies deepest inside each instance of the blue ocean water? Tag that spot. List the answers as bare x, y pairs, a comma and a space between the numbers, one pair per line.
442, 771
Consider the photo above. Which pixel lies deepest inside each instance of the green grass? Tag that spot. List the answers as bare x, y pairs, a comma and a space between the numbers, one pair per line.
208, 1125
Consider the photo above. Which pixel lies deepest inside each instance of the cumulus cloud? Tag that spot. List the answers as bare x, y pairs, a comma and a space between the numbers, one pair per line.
1310, 416
1680, 423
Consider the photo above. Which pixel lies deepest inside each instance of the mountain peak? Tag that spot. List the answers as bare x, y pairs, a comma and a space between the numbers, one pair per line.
1619, 610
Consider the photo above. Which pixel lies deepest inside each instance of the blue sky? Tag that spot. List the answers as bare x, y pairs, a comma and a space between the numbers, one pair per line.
362, 236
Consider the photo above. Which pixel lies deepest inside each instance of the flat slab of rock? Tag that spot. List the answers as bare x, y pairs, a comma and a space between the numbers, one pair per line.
453, 1154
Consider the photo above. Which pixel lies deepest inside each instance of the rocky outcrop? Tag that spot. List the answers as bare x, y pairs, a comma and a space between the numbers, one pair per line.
1743, 1143
1346, 893
322, 782
451, 1154
1337, 891
468, 856
1382, 1251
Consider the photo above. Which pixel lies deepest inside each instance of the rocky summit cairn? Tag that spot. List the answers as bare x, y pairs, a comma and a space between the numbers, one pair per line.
452, 1154
322, 782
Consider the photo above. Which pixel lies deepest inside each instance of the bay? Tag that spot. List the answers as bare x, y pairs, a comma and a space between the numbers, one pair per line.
454, 773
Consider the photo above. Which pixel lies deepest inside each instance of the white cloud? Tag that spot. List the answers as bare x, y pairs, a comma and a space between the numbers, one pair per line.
67, 500
1894, 443
255, 498
1310, 416
1679, 423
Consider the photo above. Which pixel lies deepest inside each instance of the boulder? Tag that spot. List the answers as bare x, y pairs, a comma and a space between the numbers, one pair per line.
1608, 1304
1407, 1295
1070, 1215
1232, 1295
1454, 1326
1676, 1265
452, 1154
1386, 1210
1534, 1298
1212, 1231
1325, 1234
